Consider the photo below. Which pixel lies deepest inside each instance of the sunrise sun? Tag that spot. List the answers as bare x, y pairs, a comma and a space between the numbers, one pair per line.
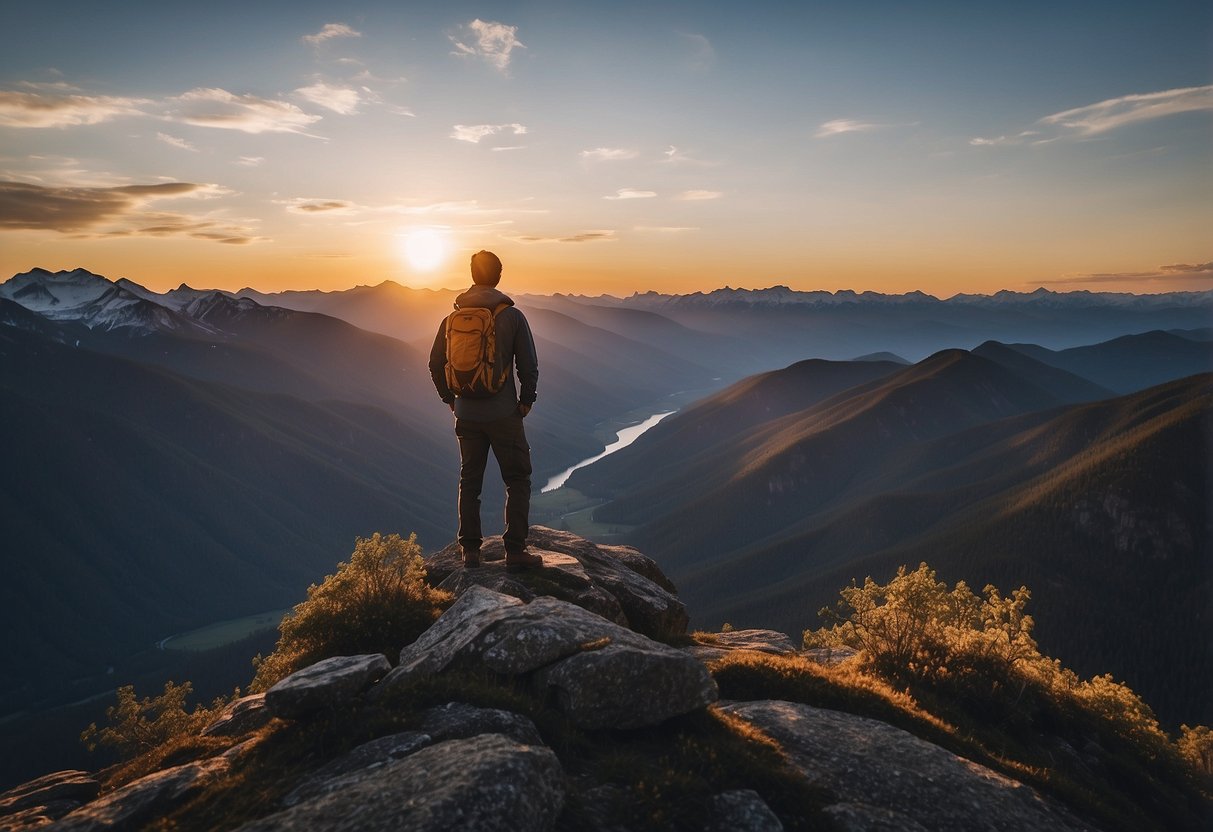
424, 249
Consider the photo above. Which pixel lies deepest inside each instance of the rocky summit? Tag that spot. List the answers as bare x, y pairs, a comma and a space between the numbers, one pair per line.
591, 663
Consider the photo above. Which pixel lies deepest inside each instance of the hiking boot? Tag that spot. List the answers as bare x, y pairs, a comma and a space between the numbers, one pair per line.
471, 558
519, 561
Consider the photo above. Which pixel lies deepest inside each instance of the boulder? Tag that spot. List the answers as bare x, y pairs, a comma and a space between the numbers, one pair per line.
718, 645
628, 686
458, 720
743, 810
325, 684
488, 783
240, 717
860, 817
58, 787
366, 757
601, 674
144, 799
885, 777
615, 582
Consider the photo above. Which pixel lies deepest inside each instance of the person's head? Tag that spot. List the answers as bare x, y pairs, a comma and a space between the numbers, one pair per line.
486, 268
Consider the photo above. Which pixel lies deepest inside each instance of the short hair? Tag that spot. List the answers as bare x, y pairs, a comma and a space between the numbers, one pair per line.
486, 268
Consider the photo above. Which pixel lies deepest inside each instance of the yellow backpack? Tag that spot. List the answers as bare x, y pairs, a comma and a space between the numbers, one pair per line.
471, 353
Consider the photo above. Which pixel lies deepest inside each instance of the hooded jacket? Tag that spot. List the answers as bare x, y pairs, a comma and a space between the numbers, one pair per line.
515, 349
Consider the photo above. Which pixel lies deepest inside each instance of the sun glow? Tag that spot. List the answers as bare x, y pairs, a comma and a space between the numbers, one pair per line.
424, 249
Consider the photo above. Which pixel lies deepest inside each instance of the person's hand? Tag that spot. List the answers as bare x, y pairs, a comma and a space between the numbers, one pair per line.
523, 409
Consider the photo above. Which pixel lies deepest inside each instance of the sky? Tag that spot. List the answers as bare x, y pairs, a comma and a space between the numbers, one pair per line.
612, 147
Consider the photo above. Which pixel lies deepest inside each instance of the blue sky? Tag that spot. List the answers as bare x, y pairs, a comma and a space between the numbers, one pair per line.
612, 147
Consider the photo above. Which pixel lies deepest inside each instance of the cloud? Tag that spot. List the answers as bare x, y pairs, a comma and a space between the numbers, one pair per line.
511, 147
702, 53
1018, 138
665, 229
249, 161
674, 156
1128, 109
176, 141
224, 110
846, 125
489, 41
80, 211
1174, 271
698, 195
608, 154
319, 206
601, 236
27, 109
330, 31
631, 193
475, 132
343, 100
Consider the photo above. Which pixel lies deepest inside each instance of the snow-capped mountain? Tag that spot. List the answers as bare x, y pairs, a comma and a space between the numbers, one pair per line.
101, 304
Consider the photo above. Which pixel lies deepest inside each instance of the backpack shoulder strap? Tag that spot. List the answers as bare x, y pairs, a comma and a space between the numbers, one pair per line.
497, 309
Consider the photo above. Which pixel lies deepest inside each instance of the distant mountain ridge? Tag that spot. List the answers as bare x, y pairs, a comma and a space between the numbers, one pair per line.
762, 499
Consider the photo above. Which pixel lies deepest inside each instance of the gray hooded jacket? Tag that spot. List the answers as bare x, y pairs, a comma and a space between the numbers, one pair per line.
515, 348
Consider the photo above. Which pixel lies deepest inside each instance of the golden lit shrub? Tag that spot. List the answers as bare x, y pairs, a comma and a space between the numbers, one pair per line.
376, 603
139, 725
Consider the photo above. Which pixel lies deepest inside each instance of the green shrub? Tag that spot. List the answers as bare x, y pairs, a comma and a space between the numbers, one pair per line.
376, 603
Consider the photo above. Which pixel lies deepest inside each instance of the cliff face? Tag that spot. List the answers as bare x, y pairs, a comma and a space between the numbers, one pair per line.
564, 698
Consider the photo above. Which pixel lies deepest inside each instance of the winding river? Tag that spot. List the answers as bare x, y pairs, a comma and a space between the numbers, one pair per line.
624, 438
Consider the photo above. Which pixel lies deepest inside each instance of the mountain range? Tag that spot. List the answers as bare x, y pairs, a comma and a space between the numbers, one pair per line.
183, 457
991, 465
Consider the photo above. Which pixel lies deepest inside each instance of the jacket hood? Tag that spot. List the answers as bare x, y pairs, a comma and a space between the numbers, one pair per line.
482, 297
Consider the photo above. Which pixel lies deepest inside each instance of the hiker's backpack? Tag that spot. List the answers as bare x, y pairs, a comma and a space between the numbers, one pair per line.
471, 353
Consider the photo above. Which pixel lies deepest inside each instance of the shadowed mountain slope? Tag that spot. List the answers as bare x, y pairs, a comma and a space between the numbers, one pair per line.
138, 503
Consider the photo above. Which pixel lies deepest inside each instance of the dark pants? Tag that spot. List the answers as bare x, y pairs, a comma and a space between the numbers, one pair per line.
508, 441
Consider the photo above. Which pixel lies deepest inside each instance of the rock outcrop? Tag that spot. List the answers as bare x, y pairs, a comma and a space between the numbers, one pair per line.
136, 803
324, 684
598, 673
246, 714
717, 645
489, 783
48, 798
616, 582
886, 778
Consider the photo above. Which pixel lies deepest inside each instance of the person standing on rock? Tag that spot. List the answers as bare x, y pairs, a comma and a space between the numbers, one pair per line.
472, 363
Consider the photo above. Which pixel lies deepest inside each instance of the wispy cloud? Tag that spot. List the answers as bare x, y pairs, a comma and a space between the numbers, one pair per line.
224, 110
703, 56
631, 193
176, 141
1129, 109
343, 100
598, 236
675, 156
609, 154
698, 195
491, 42
839, 126
319, 206
511, 147
1104, 116
666, 229
475, 132
249, 161
27, 109
1174, 271
1018, 138
113, 212
330, 31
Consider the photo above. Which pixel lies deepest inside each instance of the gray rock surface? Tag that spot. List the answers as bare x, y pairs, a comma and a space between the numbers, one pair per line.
57, 787
138, 802
485, 783
875, 768
452, 721
240, 717
743, 810
459, 720
718, 645
860, 817
602, 675
325, 684
617, 583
